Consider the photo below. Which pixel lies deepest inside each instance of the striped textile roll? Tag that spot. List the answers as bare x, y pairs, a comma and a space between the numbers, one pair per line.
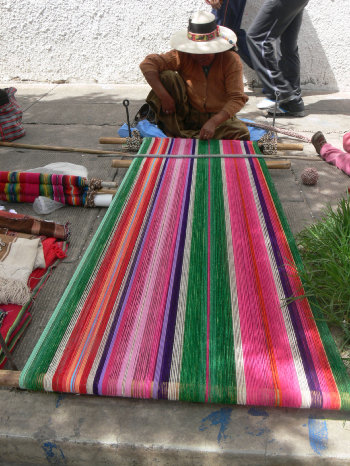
26, 187
182, 293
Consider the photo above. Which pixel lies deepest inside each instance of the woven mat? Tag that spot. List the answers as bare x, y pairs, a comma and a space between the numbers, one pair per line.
182, 294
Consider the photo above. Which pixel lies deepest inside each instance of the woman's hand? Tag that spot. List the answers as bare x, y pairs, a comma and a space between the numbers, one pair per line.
207, 130
168, 104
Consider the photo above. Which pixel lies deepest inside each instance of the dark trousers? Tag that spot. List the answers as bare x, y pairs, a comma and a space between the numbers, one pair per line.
277, 25
230, 15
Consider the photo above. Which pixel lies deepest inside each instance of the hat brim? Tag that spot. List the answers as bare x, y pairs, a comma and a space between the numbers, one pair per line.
180, 41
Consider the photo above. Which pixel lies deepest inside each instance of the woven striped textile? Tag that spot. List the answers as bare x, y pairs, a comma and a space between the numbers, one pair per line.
11, 118
181, 294
26, 187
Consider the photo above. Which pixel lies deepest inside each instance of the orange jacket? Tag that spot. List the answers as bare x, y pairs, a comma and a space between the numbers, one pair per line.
221, 90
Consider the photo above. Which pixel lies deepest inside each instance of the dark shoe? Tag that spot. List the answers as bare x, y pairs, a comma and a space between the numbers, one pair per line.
318, 140
292, 108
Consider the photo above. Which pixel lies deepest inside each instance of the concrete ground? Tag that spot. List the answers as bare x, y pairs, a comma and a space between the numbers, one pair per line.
48, 428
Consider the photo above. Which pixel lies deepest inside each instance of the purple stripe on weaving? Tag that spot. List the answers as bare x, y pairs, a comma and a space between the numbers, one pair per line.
309, 368
162, 342
170, 148
162, 373
194, 144
246, 147
97, 385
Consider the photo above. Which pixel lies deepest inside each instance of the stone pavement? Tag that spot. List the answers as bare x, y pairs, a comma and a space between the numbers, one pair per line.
47, 428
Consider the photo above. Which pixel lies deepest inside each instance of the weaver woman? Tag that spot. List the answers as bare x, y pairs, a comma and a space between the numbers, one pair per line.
197, 87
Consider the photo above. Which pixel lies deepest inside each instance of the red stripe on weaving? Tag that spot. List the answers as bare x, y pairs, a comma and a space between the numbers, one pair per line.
278, 394
119, 279
68, 357
61, 378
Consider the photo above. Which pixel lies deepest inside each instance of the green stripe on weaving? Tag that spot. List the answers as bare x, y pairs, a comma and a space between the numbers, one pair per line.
341, 377
202, 146
146, 142
214, 145
222, 356
40, 359
193, 368
256, 147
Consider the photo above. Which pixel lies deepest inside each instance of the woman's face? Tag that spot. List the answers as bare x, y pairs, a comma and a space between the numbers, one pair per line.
204, 59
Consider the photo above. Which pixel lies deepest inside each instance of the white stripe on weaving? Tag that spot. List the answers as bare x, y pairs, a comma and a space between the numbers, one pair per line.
304, 387
148, 291
176, 360
47, 382
90, 380
238, 349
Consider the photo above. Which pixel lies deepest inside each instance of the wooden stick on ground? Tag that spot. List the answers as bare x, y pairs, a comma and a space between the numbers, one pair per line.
60, 148
9, 379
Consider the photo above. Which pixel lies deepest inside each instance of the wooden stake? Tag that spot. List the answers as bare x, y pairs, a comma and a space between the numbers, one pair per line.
283, 164
9, 379
112, 140
121, 163
61, 149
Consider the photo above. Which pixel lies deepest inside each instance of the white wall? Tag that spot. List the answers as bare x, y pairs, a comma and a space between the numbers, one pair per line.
104, 41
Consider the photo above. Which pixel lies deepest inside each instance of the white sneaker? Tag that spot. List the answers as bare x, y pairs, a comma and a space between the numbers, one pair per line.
265, 104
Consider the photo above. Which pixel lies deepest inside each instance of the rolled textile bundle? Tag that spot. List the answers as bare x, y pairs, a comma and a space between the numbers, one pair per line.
42, 178
57, 192
77, 200
33, 225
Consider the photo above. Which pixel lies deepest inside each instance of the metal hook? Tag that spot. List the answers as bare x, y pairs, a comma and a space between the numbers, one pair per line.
126, 105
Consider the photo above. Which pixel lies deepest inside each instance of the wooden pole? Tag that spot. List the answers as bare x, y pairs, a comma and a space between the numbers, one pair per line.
9, 379
60, 148
280, 145
224, 156
270, 163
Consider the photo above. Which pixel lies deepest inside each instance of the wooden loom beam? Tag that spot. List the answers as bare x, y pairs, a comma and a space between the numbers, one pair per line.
280, 145
269, 163
9, 379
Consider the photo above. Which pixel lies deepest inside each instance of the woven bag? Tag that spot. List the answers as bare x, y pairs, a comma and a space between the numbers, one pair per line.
10, 117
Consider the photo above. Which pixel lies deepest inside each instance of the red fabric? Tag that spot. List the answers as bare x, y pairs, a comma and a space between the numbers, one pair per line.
53, 250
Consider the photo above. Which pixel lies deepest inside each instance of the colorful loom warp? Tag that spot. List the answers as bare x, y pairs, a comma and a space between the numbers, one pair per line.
26, 187
182, 293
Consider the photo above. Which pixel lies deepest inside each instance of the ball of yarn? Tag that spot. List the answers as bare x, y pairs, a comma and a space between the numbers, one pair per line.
309, 176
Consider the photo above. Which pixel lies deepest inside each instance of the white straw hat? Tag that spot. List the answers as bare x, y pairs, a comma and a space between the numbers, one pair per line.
203, 36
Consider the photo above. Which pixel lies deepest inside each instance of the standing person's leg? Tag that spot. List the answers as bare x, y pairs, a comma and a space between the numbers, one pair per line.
289, 62
272, 20
230, 15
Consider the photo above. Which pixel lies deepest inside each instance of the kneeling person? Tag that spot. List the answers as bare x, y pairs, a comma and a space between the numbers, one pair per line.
197, 88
